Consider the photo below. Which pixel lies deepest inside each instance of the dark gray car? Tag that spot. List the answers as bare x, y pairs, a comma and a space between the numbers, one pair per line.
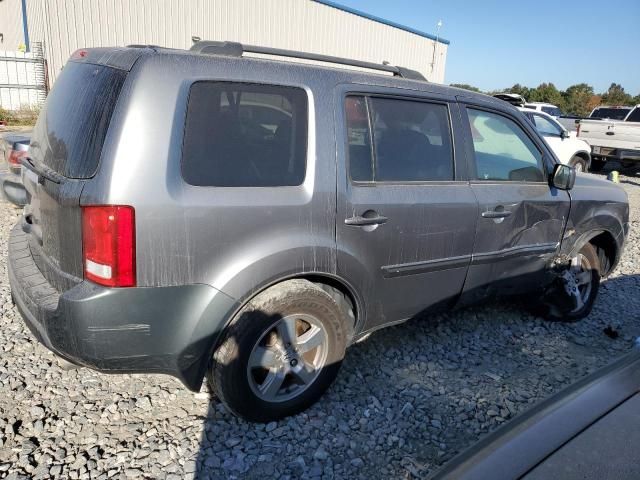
200, 213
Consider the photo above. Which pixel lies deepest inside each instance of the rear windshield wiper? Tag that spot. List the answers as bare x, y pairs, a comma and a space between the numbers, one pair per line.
41, 170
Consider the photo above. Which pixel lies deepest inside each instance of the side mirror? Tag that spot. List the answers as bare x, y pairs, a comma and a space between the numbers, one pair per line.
563, 177
564, 134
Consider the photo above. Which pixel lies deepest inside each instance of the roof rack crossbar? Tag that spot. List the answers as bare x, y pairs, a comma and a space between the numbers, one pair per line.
234, 49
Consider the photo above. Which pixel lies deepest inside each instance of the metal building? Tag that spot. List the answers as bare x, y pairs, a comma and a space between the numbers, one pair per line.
318, 26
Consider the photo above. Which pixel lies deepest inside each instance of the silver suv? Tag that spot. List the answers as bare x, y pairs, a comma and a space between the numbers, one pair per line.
204, 214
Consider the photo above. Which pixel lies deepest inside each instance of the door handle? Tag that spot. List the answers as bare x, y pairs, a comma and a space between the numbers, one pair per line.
360, 221
496, 214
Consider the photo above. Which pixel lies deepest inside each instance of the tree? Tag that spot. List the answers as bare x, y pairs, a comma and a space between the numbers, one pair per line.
466, 86
547, 93
616, 95
520, 90
577, 99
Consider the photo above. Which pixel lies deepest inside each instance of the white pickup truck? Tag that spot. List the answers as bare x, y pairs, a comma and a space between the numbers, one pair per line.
613, 139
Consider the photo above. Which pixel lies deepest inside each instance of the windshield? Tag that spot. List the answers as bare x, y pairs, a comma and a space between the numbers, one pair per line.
611, 113
72, 126
553, 111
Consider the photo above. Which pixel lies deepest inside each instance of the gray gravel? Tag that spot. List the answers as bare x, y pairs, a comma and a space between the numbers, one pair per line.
406, 400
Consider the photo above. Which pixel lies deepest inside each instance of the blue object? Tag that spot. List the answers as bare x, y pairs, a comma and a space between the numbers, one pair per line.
25, 25
381, 20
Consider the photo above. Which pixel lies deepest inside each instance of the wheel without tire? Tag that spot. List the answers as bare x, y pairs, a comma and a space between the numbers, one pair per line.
573, 295
579, 164
280, 353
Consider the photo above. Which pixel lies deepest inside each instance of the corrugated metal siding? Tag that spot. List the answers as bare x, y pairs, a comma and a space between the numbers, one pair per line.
66, 25
11, 25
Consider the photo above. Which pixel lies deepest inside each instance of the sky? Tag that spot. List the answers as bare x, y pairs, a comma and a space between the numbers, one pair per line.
496, 44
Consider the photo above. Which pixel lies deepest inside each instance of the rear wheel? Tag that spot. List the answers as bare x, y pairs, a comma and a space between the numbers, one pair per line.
281, 352
572, 297
597, 165
579, 164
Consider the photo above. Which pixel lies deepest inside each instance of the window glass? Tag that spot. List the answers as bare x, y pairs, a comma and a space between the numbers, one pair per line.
72, 126
546, 126
634, 116
358, 140
553, 111
503, 151
412, 141
610, 112
245, 135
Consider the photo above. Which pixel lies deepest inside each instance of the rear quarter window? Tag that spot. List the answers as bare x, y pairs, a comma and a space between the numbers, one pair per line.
245, 135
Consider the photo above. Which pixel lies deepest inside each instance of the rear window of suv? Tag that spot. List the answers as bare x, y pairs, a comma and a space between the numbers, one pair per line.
72, 126
610, 113
245, 135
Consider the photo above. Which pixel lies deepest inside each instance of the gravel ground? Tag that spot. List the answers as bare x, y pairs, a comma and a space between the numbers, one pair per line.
407, 399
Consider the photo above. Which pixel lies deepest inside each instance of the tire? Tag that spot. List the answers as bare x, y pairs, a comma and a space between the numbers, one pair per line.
578, 163
559, 305
597, 165
271, 334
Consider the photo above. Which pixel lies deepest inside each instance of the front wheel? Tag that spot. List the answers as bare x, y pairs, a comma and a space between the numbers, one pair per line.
572, 296
579, 164
281, 352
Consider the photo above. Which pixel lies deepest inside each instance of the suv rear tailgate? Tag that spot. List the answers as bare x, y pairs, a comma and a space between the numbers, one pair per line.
65, 152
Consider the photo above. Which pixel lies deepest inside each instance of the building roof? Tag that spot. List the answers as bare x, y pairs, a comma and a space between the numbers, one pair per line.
368, 16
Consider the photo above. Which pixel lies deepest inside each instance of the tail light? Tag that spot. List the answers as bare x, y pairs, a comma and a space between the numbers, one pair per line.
15, 156
578, 130
108, 245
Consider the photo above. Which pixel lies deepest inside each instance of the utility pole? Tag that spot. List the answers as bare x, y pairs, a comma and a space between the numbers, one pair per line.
435, 45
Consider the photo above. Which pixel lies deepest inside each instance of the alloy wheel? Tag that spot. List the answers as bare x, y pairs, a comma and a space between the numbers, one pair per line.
287, 358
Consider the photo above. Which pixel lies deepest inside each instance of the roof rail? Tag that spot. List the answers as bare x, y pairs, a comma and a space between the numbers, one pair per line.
234, 49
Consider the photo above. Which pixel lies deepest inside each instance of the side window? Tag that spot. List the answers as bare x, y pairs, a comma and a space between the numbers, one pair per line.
359, 140
412, 140
545, 126
503, 151
634, 116
245, 135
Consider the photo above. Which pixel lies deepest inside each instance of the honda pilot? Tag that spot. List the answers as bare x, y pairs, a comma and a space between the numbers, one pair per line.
205, 214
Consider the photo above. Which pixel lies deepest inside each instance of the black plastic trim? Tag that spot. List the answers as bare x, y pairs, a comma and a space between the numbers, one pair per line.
512, 252
391, 271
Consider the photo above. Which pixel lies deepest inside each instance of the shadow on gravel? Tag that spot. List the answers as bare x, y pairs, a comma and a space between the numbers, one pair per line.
411, 396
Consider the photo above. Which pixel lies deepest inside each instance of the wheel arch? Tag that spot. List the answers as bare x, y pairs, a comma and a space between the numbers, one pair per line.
325, 278
584, 155
606, 246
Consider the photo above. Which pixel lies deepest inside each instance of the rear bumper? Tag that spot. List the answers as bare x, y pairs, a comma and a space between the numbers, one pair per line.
12, 189
120, 330
619, 154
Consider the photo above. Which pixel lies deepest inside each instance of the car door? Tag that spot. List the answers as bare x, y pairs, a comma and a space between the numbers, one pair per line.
521, 218
406, 218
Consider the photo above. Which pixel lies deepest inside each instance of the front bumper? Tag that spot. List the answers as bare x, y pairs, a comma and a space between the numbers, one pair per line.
120, 330
12, 189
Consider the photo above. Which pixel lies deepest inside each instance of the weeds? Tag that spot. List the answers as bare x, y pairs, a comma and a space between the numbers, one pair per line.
21, 117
